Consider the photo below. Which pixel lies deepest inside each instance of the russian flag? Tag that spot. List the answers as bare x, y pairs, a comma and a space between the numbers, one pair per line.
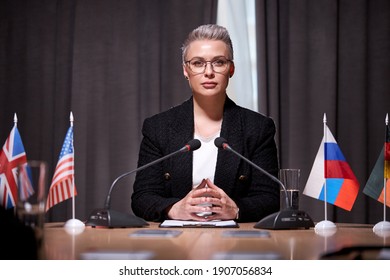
331, 170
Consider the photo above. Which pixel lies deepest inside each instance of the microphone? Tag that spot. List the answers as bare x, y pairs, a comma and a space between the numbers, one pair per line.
106, 217
284, 219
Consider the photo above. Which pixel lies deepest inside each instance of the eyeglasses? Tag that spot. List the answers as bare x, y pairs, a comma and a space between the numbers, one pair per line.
218, 65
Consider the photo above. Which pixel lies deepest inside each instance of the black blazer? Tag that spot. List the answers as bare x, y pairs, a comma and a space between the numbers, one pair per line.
249, 133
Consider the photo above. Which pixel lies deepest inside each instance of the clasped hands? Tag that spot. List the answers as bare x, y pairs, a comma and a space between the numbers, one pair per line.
206, 197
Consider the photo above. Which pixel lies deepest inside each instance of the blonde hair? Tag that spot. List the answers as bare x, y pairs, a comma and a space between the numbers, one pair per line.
208, 32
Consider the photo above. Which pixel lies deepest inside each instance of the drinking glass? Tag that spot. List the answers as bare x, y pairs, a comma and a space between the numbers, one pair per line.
290, 179
30, 207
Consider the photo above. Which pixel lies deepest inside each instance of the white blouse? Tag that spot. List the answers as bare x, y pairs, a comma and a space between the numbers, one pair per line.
204, 160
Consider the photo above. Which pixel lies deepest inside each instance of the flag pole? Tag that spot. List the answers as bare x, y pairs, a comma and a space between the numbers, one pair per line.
325, 227
15, 125
73, 226
71, 119
15, 120
383, 228
325, 182
385, 168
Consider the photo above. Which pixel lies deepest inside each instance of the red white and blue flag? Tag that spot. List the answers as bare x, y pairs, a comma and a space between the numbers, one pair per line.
62, 185
12, 156
331, 171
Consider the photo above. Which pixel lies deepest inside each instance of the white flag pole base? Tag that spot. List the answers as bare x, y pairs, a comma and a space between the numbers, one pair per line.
325, 228
382, 228
74, 226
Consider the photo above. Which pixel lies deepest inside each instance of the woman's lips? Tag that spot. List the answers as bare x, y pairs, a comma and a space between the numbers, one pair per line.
209, 85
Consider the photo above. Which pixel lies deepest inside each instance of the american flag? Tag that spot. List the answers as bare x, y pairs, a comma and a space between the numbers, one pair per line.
11, 156
63, 179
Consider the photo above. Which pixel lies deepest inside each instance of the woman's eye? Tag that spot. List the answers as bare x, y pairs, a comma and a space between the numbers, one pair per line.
219, 63
198, 63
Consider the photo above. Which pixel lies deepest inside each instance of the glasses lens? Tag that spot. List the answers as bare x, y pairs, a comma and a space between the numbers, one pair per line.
218, 65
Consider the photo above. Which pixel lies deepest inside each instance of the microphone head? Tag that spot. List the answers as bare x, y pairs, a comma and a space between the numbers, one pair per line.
193, 145
219, 142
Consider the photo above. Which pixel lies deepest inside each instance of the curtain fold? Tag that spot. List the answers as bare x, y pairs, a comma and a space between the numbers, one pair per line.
112, 63
328, 57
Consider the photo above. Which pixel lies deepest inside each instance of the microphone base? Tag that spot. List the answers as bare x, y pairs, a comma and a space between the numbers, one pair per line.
286, 219
113, 219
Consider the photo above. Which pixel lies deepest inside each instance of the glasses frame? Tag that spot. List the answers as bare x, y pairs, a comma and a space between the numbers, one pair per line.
188, 64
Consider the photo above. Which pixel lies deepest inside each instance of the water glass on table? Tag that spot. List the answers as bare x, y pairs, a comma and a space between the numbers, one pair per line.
30, 206
290, 179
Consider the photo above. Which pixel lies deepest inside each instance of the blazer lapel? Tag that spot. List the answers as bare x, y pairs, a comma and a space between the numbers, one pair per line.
232, 131
182, 125
182, 131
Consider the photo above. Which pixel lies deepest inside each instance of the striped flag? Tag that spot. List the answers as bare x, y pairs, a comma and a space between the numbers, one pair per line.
380, 175
63, 179
25, 182
331, 169
11, 156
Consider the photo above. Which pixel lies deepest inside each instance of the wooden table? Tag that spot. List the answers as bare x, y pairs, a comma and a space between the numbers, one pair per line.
209, 243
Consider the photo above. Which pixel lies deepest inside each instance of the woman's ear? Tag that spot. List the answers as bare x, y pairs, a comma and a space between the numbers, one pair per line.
185, 73
231, 70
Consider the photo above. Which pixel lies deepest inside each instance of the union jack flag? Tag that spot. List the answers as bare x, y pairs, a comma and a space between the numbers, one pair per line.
11, 156
25, 182
63, 179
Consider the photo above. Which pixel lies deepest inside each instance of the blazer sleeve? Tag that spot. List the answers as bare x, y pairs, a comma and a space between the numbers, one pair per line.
149, 199
163, 184
263, 194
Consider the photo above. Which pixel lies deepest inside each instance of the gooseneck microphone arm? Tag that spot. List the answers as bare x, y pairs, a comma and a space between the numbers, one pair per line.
284, 219
192, 145
221, 142
106, 217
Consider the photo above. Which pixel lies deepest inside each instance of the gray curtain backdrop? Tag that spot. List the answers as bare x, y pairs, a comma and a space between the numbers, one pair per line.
113, 63
333, 57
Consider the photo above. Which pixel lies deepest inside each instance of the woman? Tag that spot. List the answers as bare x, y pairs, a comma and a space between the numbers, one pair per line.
207, 184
